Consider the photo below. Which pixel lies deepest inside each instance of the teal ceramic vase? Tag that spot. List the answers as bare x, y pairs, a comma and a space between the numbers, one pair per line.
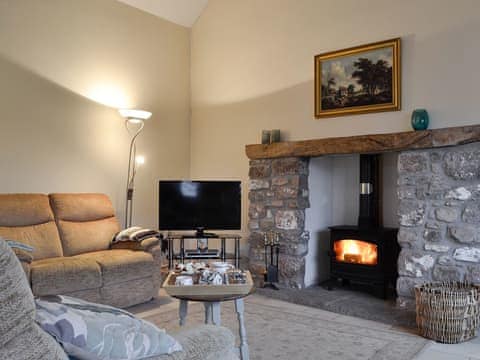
419, 119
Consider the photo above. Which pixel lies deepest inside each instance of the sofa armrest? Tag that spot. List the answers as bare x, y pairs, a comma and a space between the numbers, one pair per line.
151, 245
206, 342
26, 268
25, 259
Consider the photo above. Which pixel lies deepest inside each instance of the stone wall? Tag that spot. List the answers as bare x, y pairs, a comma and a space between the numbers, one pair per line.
278, 198
439, 215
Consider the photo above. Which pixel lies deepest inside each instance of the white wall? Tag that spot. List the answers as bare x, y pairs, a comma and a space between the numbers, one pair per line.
65, 67
318, 218
346, 189
252, 69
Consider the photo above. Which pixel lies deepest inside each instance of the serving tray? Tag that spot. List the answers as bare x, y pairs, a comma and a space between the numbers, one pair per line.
205, 292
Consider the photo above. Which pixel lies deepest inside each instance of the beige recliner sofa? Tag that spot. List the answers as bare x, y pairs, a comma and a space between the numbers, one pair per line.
71, 236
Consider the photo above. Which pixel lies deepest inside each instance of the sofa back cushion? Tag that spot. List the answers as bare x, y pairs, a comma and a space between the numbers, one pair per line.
28, 218
86, 222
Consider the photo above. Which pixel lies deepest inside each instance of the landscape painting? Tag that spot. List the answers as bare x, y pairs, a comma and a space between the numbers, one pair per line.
358, 80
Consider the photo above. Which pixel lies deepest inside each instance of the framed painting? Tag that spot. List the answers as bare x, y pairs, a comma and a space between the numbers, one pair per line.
358, 80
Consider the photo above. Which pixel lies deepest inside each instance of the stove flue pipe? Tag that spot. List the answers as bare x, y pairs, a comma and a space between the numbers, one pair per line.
368, 216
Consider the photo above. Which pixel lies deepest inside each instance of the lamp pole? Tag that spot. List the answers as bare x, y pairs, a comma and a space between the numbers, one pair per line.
132, 170
134, 123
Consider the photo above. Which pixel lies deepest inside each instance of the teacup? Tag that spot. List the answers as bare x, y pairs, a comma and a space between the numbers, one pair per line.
221, 267
183, 280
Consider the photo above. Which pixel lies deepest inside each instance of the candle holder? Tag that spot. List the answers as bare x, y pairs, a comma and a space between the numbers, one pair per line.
272, 251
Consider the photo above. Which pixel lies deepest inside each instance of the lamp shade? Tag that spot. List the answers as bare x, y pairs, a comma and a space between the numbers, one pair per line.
133, 114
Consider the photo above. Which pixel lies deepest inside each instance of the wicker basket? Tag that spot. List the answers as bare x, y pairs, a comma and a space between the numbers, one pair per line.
448, 312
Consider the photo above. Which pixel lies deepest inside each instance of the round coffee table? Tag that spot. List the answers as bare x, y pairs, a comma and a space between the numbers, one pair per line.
212, 307
212, 296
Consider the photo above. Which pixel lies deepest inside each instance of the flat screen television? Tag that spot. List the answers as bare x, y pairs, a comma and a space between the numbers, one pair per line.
199, 205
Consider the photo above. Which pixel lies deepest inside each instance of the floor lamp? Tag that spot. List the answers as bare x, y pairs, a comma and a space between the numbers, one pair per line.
134, 122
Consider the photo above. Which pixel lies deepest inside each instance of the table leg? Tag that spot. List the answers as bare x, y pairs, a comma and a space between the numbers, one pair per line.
182, 250
216, 314
237, 253
208, 312
239, 307
224, 250
170, 253
182, 311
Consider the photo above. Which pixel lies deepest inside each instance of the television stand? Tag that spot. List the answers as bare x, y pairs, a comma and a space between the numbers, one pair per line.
183, 254
201, 234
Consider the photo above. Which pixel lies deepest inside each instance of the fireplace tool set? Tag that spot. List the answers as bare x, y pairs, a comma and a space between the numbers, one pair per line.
272, 251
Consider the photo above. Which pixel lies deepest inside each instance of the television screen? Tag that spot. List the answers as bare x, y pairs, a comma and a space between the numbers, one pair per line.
193, 205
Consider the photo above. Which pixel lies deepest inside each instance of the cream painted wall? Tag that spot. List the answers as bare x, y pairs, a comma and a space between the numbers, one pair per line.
252, 69
65, 66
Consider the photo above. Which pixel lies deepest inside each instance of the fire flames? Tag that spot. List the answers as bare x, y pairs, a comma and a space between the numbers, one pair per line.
355, 252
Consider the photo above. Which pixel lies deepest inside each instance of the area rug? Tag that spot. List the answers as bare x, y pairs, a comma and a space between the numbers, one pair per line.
284, 331
347, 300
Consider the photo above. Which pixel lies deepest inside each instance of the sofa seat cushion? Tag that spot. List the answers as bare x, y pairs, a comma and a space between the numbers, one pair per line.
122, 265
64, 275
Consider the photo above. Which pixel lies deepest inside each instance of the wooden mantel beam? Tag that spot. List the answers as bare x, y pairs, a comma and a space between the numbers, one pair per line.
361, 144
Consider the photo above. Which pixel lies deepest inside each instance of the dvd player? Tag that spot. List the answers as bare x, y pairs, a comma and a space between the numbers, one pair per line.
207, 253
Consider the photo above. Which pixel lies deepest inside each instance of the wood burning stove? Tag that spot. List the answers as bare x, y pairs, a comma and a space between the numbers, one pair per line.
366, 253
366, 256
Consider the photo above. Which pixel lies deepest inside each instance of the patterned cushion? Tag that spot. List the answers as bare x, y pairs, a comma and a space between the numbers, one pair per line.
93, 331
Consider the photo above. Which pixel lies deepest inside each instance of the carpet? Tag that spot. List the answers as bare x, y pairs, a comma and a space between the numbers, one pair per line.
284, 331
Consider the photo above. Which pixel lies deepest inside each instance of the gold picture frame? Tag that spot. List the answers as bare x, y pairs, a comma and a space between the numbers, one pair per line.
358, 80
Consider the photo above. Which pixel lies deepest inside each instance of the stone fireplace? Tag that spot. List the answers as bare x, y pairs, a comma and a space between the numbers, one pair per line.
438, 193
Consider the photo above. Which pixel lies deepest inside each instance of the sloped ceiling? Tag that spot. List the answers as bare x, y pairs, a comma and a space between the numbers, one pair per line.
182, 12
